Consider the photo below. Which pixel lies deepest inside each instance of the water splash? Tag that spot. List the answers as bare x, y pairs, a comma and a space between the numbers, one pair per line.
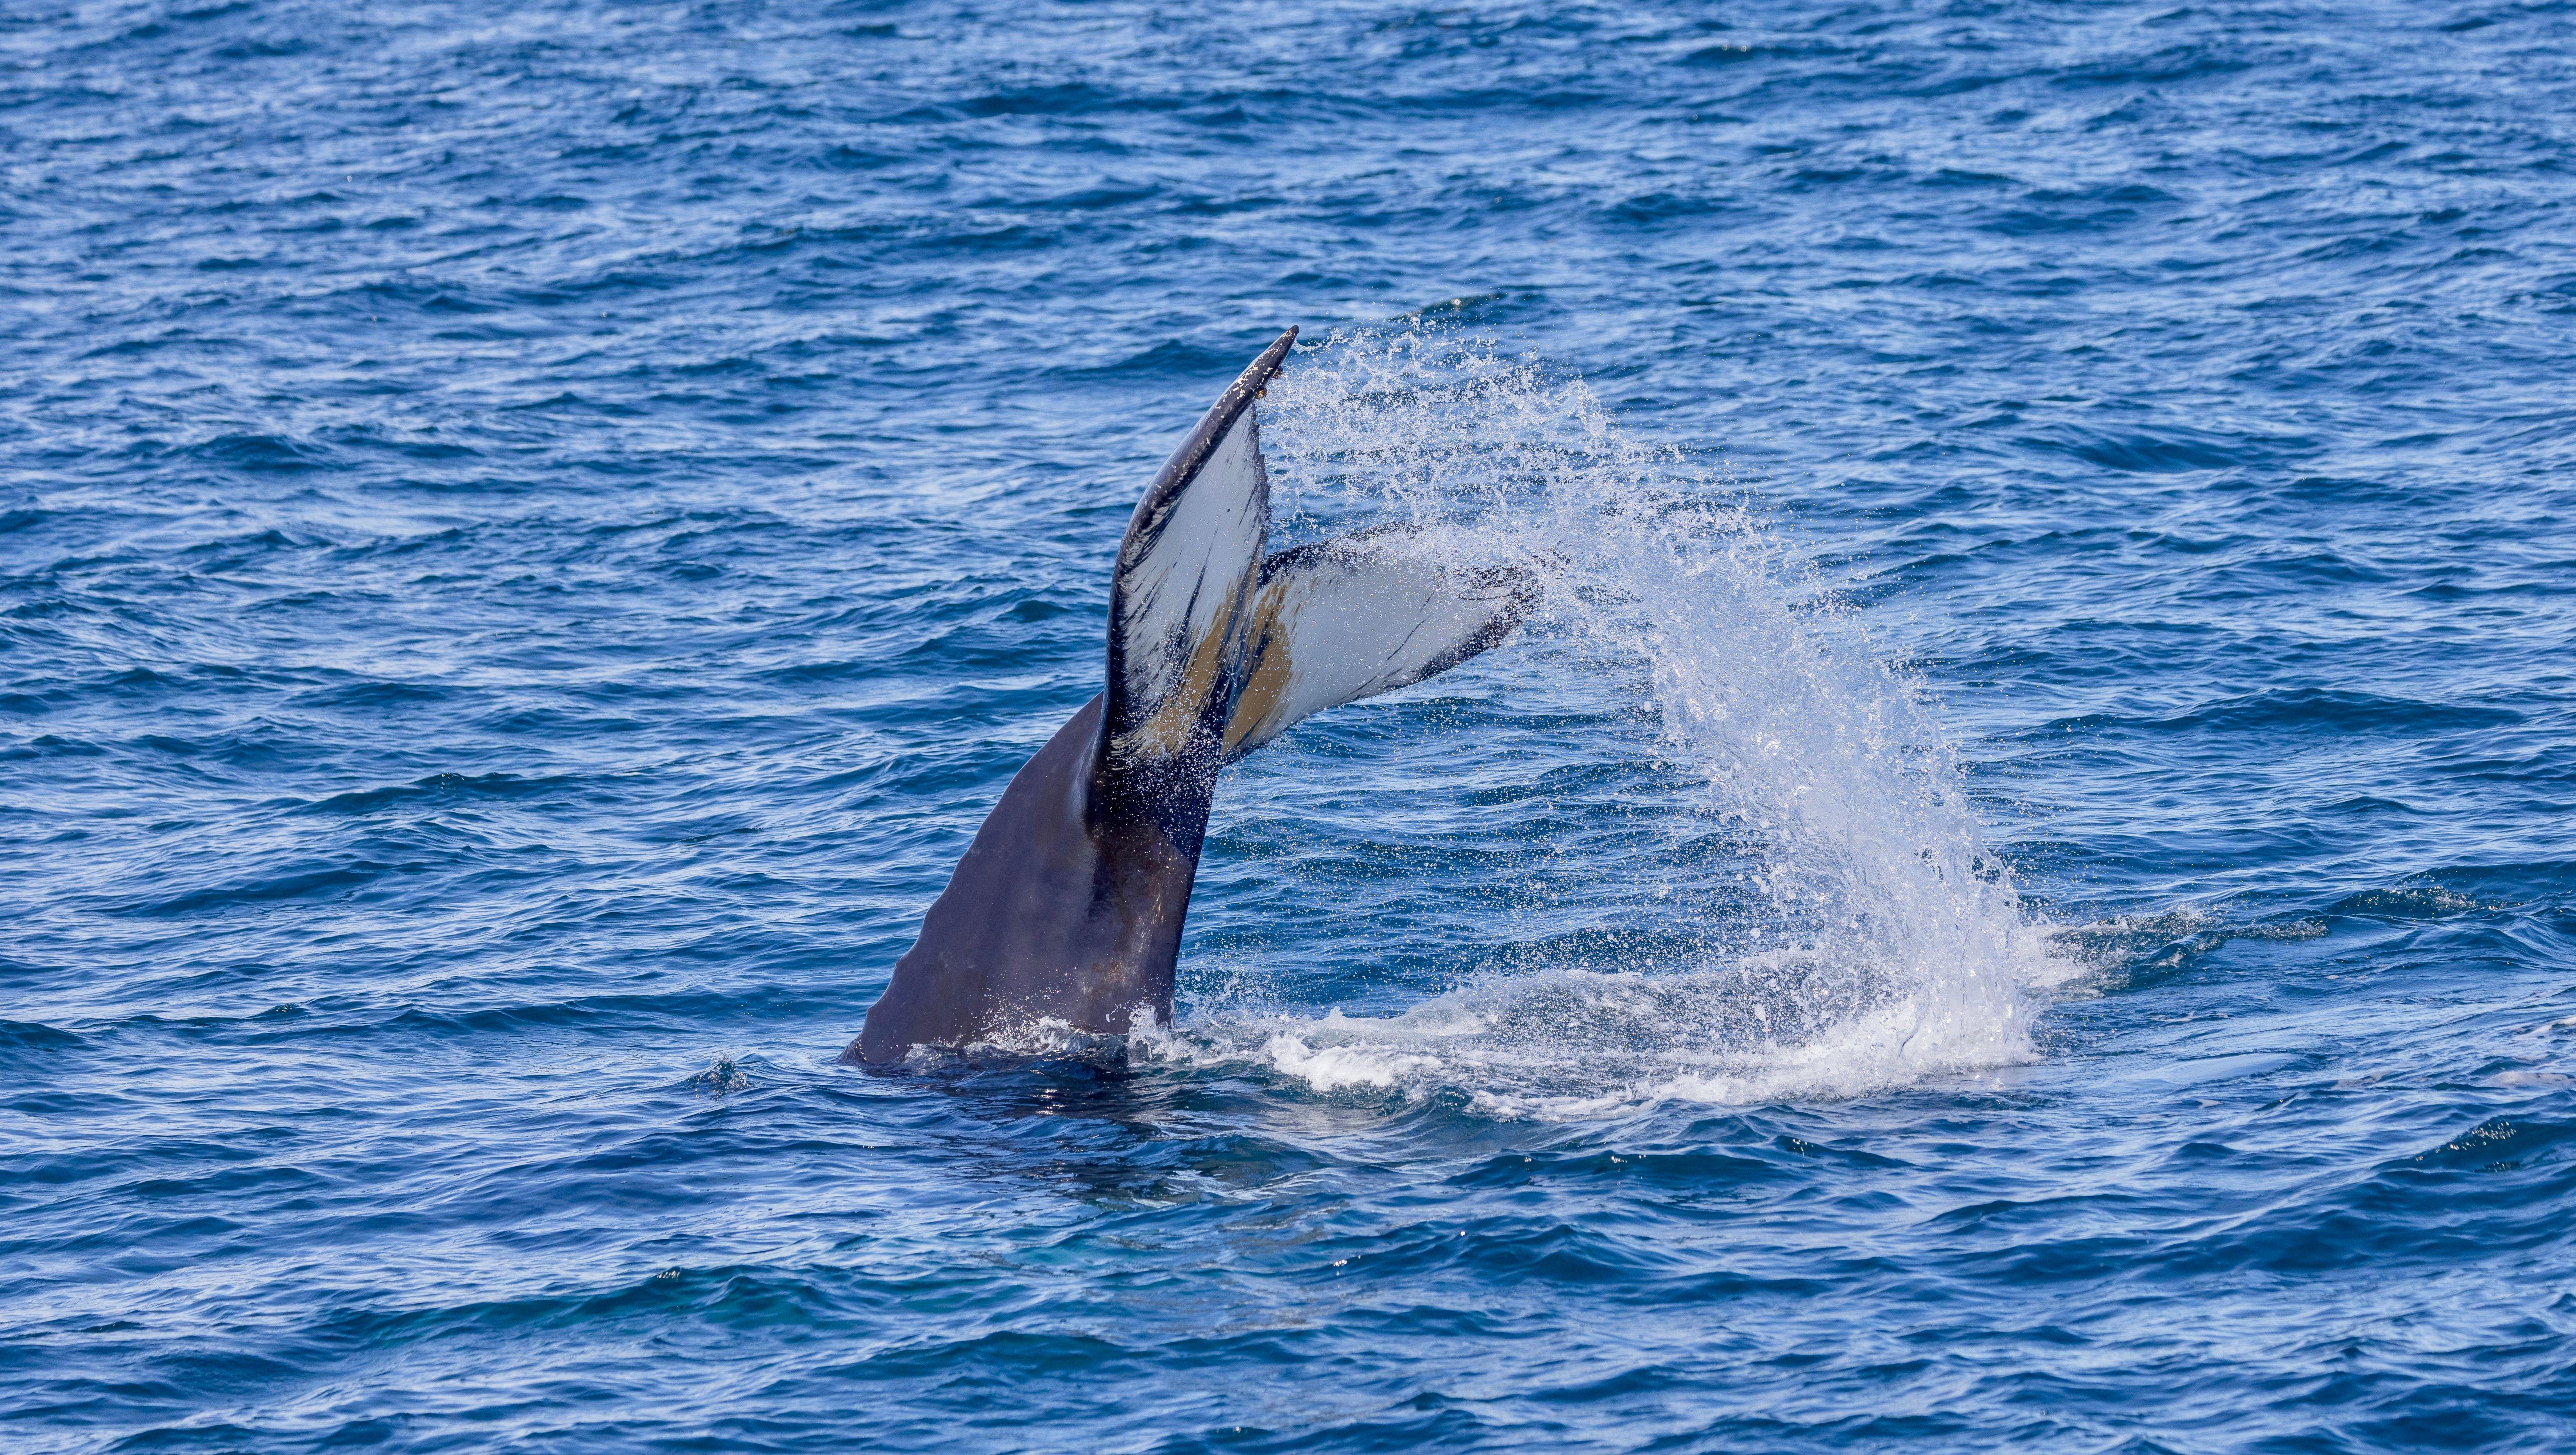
1824, 917
723, 1077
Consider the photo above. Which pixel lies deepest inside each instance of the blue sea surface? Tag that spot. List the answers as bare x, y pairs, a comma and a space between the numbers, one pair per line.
2018, 894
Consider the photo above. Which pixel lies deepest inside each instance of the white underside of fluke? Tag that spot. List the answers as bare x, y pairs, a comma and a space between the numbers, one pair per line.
1185, 575
1348, 619
1196, 611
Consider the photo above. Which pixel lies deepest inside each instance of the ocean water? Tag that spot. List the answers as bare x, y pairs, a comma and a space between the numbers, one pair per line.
2018, 893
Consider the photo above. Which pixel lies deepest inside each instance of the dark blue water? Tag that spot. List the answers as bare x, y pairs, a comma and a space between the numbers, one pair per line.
2019, 894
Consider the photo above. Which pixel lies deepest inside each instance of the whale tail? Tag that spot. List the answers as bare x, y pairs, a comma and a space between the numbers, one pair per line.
1067, 907
1217, 646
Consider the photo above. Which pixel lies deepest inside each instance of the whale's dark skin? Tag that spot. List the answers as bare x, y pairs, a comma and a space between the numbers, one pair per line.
1063, 908
1068, 905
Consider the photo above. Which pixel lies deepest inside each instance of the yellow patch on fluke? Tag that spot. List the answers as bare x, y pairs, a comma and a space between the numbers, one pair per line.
1167, 732
1265, 691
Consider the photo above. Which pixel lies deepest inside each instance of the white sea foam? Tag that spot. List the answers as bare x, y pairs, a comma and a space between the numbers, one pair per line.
1860, 936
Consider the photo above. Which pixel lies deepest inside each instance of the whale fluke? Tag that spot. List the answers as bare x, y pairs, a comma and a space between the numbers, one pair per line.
1341, 620
1068, 905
